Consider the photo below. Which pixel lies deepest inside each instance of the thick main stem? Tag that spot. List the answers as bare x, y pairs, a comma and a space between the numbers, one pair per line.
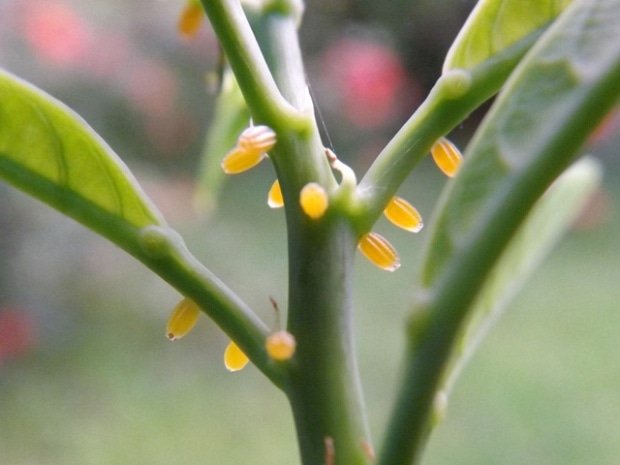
324, 391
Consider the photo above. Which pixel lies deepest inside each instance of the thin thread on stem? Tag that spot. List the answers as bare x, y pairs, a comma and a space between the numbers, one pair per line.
320, 117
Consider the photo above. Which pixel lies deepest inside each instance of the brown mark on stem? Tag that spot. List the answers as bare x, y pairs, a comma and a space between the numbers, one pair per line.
330, 451
369, 451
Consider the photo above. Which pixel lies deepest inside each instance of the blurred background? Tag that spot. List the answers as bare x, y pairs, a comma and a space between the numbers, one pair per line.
86, 374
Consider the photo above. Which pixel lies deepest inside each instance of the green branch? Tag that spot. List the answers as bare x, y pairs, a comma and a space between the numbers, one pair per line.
47, 151
558, 95
259, 89
456, 94
325, 393
163, 251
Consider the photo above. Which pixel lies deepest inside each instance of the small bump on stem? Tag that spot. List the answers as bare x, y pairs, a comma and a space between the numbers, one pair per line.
440, 407
158, 241
330, 450
455, 83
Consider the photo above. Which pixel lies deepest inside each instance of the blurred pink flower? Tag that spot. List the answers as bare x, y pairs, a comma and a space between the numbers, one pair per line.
57, 33
114, 54
152, 87
17, 333
597, 211
607, 128
370, 79
171, 134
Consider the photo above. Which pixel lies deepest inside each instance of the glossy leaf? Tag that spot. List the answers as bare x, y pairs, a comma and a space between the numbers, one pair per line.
544, 227
51, 153
553, 100
494, 25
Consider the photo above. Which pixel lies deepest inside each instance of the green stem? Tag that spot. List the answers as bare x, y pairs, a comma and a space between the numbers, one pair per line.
277, 34
325, 393
587, 80
162, 250
438, 115
299, 155
447, 306
265, 101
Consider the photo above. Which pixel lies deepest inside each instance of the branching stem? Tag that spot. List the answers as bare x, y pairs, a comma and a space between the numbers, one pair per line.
439, 114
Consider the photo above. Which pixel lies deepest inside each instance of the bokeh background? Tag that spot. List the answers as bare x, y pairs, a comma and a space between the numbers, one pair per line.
86, 374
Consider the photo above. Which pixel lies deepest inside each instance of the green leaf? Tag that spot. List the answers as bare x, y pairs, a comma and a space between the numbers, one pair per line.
51, 153
545, 225
494, 25
553, 100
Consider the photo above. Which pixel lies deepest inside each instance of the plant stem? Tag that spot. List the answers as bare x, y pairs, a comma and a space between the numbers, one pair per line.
325, 393
277, 34
246, 60
437, 116
586, 83
171, 260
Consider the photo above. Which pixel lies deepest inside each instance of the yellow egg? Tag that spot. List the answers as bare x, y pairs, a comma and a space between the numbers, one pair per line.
274, 198
313, 200
379, 251
404, 215
447, 156
281, 345
234, 358
183, 319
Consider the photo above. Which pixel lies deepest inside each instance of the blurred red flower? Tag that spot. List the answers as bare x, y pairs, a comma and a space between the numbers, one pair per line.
17, 333
370, 79
152, 87
57, 33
